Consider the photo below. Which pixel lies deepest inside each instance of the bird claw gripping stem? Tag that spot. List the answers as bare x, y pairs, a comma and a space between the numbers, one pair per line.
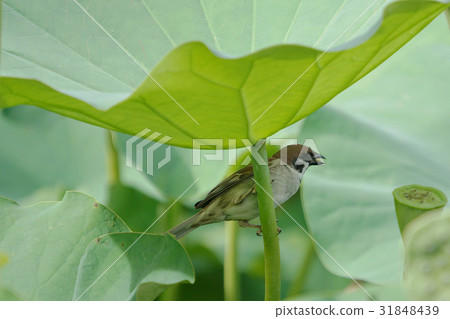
259, 232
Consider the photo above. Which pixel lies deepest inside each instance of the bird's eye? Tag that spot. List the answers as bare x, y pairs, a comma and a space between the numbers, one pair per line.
299, 164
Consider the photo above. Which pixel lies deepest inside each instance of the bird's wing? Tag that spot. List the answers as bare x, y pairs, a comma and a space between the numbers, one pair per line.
229, 182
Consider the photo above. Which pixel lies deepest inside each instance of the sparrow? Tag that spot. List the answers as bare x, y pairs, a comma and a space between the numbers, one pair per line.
235, 197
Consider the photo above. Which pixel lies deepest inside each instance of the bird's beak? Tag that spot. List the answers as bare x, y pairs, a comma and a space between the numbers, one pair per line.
319, 159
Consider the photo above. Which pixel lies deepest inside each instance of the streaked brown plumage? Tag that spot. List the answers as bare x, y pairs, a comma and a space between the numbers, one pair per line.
235, 197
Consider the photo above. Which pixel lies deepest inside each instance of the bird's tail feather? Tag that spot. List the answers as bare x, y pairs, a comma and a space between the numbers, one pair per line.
186, 227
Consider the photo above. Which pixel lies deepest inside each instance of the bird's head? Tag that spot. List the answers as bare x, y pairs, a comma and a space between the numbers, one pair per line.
299, 157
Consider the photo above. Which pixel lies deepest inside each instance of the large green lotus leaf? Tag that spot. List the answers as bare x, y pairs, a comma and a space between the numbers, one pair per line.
5, 292
8, 295
388, 293
391, 129
46, 242
105, 65
136, 208
224, 98
349, 205
355, 293
43, 154
148, 264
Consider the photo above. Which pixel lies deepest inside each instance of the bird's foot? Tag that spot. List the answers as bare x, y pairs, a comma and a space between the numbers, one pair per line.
246, 224
259, 232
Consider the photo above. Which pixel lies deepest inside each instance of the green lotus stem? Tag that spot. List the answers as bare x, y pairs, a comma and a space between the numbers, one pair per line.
231, 280
231, 273
447, 15
412, 201
306, 262
268, 224
170, 294
113, 160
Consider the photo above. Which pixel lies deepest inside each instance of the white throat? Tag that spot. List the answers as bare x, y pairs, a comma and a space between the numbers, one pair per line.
285, 182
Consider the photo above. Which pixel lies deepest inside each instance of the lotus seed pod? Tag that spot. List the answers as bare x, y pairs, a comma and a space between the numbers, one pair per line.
427, 267
412, 201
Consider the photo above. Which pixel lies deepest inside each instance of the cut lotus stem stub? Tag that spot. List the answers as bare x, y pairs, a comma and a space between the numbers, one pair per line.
414, 200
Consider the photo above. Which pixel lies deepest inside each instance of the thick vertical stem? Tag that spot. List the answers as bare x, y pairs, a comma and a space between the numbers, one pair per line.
231, 274
268, 224
113, 160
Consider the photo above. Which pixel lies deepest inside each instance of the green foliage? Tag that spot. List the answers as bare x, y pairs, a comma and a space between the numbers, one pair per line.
247, 94
179, 168
427, 270
377, 135
6, 294
92, 65
388, 130
44, 154
151, 264
57, 250
349, 206
137, 209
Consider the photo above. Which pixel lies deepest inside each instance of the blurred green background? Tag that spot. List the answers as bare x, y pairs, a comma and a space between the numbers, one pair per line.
388, 130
